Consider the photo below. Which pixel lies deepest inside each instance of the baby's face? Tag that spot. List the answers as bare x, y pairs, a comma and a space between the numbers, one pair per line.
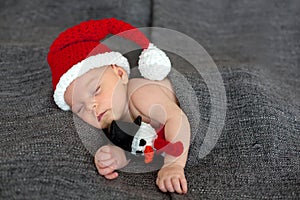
99, 96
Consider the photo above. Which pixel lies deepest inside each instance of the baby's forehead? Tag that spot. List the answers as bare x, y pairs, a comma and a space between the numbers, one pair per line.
88, 79
98, 70
92, 73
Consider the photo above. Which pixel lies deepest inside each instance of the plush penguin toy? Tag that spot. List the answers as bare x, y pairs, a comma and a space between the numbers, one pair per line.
141, 138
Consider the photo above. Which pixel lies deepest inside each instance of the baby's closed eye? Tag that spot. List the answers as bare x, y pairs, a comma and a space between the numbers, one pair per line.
97, 90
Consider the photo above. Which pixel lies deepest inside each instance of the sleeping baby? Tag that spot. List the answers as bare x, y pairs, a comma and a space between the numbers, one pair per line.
93, 82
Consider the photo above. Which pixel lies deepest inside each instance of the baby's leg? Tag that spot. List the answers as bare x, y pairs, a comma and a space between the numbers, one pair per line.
108, 159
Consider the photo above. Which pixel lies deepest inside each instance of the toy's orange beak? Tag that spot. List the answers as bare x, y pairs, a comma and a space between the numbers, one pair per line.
149, 154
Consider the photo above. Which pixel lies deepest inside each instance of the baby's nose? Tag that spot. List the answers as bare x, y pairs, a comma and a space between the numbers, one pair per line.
94, 106
96, 109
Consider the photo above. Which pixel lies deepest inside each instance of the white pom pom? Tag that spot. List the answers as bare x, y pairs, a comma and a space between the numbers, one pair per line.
154, 64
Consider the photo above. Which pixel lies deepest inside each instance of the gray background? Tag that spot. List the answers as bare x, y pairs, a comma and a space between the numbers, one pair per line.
256, 46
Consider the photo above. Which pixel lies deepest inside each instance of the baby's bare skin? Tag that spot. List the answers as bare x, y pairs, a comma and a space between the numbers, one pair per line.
156, 102
108, 159
153, 100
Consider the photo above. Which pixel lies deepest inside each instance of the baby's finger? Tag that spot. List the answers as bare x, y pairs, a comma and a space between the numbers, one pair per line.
168, 185
103, 156
183, 185
176, 185
105, 149
161, 185
111, 175
105, 171
107, 163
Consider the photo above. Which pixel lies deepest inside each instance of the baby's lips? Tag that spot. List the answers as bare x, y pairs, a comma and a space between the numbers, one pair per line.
99, 117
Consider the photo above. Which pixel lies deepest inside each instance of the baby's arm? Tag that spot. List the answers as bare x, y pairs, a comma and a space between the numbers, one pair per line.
109, 158
171, 177
153, 102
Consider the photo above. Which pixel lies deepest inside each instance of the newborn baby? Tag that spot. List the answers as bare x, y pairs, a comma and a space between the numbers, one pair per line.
95, 86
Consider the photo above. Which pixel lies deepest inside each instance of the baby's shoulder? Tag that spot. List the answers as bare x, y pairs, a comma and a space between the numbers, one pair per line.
143, 85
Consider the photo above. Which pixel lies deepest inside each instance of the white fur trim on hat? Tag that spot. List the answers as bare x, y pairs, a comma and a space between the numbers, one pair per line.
154, 64
81, 68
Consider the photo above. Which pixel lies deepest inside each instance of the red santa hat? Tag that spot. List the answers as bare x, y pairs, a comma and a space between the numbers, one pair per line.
78, 50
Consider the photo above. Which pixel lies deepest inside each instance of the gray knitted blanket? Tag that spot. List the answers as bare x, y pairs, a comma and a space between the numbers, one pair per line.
254, 154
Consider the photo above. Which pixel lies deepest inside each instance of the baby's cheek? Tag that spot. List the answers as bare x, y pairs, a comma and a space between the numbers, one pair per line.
118, 103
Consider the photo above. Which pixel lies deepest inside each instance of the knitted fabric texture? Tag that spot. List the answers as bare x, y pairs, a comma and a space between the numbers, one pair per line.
78, 50
81, 41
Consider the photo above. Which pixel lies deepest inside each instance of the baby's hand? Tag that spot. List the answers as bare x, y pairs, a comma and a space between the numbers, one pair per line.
108, 159
172, 179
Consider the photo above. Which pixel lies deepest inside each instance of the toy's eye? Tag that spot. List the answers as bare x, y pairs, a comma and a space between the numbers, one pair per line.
142, 142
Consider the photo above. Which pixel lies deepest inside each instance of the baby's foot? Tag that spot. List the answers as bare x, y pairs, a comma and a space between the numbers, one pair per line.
108, 159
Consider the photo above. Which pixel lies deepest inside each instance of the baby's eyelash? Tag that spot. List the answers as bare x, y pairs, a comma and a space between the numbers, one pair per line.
97, 89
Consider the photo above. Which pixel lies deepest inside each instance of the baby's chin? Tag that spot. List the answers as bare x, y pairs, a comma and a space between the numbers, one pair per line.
107, 120
104, 123
101, 125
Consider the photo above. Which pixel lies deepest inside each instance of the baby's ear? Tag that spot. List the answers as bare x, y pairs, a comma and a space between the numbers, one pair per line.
121, 73
124, 77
